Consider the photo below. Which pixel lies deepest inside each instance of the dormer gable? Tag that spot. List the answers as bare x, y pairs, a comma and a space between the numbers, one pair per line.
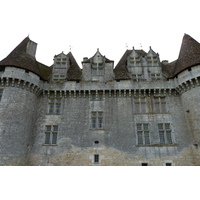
153, 58
134, 59
97, 68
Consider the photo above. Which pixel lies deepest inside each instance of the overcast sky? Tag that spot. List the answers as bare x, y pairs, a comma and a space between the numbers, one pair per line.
110, 25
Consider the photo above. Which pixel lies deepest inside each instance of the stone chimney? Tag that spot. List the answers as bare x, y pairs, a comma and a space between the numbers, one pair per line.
31, 48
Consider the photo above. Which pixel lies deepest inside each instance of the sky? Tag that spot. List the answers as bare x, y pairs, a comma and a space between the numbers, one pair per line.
82, 26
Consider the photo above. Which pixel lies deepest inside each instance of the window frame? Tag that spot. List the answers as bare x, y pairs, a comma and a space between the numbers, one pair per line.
97, 121
139, 105
165, 139
1, 94
159, 106
142, 134
51, 131
57, 102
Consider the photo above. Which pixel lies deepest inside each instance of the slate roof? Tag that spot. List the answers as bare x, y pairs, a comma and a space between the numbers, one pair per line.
189, 54
20, 58
74, 72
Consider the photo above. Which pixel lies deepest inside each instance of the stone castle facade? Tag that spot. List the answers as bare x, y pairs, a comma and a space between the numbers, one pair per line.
140, 112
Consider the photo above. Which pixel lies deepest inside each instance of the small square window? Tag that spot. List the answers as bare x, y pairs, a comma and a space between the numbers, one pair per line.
144, 164
168, 164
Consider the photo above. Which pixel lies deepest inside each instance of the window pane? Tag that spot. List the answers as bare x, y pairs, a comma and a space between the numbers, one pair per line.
167, 126
51, 108
100, 114
55, 128
58, 100
156, 99
160, 126
100, 123
139, 126
145, 127
48, 128
137, 108
93, 97
47, 138
162, 137
146, 137
93, 123
54, 138
140, 140
143, 100
169, 137
94, 71
58, 108
100, 97
94, 114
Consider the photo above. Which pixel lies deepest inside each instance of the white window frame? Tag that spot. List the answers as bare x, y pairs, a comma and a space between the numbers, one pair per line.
55, 105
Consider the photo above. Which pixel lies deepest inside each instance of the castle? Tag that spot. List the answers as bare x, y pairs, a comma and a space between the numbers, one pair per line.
142, 112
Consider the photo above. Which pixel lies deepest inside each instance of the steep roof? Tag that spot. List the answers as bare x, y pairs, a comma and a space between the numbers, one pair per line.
22, 57
189, 54
74, 72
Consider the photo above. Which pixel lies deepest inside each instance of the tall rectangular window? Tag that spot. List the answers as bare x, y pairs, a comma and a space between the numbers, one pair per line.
140, 105
159, 104
1, 94
54, 106
97, 120
165, 133
96, 158
143, 134
51, 134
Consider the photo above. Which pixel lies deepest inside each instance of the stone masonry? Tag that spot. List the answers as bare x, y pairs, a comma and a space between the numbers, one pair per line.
140, 112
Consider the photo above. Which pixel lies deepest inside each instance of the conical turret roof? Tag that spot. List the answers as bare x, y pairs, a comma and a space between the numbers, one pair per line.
23, 57
189, 54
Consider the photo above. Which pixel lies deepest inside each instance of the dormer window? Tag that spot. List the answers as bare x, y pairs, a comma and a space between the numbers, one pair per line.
97, 69
152, 59
137, 77
134, 60
155, 76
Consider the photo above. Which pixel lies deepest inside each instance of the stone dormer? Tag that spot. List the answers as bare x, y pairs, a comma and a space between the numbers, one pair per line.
65, 68
97, 68
60, 67
152, 58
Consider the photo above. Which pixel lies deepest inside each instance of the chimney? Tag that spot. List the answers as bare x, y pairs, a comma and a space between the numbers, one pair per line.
165, 62
85, 58
31, 48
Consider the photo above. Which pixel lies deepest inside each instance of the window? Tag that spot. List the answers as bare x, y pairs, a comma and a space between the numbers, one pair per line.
160, 104
96, 158
143, 134
137, 77
155, 76
140, 105
168, 164
51, 135
54, 106
97, 69
144, 164
1, 94
96, 97
97, 120
152, 59
135, 60
165, 133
